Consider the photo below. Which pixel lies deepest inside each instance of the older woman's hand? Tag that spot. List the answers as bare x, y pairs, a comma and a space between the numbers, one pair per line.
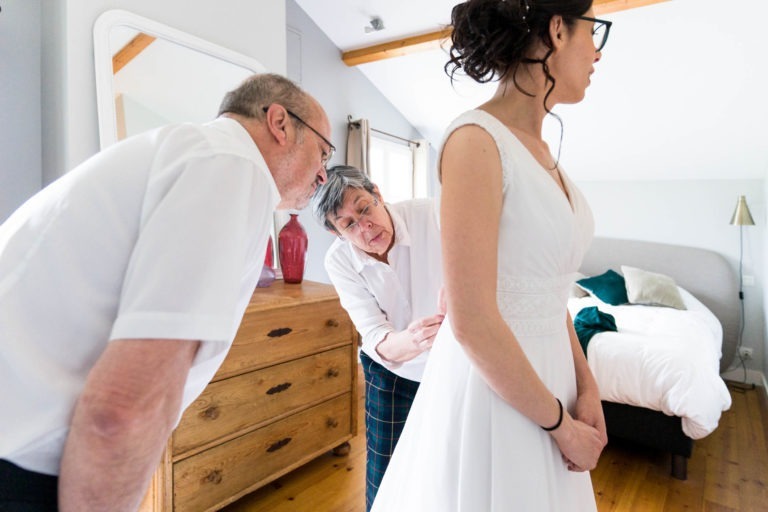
399, 347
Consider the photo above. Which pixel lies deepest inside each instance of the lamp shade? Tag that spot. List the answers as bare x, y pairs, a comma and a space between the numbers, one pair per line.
741, 216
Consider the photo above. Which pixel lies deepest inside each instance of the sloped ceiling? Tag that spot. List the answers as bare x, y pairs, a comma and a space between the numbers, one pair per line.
679, 92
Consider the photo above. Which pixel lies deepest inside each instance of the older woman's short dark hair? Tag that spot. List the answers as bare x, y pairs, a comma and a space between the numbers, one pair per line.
329, 197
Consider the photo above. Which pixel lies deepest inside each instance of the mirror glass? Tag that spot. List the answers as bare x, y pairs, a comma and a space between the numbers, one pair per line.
164, 82
149, 74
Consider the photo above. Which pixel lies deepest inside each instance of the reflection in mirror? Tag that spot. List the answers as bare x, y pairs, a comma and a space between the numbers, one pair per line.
158, 82
149, 74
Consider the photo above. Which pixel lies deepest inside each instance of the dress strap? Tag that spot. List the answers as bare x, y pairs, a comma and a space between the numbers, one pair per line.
495, 129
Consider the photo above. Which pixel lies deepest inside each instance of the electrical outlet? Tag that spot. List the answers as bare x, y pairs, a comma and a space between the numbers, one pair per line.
748, 280
745, 353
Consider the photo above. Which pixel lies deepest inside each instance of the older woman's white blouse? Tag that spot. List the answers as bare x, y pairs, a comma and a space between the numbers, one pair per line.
381, 298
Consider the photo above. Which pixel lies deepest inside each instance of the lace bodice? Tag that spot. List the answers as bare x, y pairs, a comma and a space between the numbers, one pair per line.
532, 285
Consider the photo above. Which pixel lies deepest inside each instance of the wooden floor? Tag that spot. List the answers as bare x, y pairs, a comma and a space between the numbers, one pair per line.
728, 472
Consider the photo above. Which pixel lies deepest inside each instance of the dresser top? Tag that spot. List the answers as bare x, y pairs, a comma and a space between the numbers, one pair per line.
280, 295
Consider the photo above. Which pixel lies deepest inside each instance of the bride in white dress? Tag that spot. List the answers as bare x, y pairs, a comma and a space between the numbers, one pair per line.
487, 431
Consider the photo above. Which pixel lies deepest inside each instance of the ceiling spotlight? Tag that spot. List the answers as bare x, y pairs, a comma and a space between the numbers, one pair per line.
375, 25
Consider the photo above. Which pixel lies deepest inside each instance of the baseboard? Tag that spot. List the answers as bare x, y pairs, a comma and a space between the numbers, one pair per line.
753, 377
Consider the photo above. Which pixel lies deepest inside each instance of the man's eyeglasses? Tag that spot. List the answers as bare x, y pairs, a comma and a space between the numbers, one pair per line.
599, 31
327, 155
354, 226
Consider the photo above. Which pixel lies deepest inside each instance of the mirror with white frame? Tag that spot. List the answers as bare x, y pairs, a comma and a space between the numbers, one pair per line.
149, 74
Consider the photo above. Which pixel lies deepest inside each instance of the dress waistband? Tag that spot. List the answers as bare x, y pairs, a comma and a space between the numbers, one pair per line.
533, 306
524, 284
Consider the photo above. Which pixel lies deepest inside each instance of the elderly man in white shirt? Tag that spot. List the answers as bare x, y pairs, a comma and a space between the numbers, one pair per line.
386, 267
122, 285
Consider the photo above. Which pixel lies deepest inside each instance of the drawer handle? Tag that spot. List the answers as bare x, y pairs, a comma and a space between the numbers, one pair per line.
279, 388
332, 323
282, 331
332, 372
279, 444
214, 477
332, 422
210, 413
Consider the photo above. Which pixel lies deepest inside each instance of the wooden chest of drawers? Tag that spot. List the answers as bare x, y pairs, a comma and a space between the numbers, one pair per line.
284, 395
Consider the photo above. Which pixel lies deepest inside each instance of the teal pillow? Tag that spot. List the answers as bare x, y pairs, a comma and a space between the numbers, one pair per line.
609, 287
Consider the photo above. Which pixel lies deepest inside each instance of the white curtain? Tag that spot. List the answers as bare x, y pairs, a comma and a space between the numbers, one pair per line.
358, 144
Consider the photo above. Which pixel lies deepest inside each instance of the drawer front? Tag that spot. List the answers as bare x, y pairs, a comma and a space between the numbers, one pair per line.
231, 405
277, 335
214, 476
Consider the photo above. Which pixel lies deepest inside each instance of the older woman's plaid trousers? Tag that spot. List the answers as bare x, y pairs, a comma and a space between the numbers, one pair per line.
388, 399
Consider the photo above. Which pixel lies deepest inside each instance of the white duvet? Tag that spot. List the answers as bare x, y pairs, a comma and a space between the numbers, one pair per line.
662, 359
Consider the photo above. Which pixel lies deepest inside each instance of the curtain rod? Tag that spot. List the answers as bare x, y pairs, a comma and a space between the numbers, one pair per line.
356, 123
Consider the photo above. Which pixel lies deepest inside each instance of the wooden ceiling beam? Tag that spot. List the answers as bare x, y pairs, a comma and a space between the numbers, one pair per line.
129, 52
435, 39
607, 6
396, 48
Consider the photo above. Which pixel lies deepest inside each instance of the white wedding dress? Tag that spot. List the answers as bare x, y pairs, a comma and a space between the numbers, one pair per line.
464, 448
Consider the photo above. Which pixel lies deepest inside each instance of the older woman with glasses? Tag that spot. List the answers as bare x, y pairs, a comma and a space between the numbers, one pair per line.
386, 268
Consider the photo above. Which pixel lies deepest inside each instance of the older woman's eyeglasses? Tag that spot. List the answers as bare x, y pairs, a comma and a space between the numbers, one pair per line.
599, 31
327, 155
365, 212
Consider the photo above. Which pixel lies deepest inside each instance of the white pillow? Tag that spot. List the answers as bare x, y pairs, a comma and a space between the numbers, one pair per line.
651, 289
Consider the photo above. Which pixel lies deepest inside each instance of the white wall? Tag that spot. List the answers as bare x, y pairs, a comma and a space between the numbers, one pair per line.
697, 214
764, 263
315, 63
20, 164
70, 132
679, 93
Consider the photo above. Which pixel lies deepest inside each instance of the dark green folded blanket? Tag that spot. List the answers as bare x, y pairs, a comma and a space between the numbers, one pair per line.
590, 321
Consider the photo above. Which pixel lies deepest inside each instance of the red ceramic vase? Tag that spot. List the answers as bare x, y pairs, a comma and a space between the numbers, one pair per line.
292, 245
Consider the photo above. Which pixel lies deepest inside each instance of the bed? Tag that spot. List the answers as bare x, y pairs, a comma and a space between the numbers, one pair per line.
664, 400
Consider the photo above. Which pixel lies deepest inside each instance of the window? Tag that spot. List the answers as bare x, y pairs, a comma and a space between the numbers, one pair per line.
398, 168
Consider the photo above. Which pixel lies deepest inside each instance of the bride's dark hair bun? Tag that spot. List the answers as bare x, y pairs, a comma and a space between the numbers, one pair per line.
490, 37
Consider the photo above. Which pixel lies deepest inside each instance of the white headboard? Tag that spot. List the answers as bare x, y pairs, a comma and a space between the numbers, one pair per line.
704, 273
